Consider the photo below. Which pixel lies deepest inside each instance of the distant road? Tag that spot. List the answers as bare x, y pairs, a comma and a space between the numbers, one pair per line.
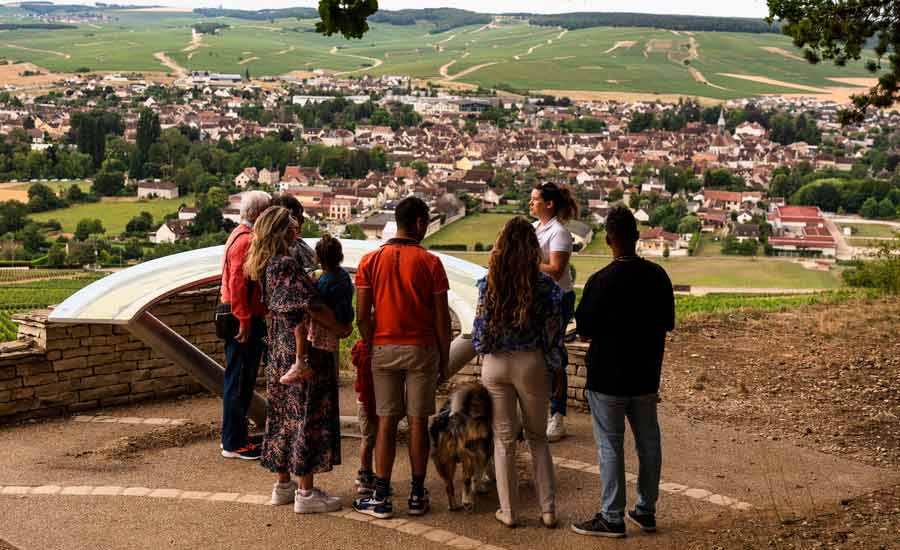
704, 290
862, 221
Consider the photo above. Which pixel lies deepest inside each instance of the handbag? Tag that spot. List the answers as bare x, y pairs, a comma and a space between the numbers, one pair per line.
227, 325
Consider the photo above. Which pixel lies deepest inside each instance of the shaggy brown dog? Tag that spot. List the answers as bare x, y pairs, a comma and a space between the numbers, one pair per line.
461, 434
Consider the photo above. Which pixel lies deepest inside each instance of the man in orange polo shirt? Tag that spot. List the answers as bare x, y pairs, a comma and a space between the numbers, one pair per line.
402, 312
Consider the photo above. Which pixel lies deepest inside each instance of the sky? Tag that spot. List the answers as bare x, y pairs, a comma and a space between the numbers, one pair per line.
729, 8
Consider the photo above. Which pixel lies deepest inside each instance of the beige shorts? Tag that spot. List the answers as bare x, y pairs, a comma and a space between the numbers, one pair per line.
368, 427
405, 379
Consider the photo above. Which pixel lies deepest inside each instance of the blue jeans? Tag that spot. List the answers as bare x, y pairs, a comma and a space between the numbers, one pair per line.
609, 413
568, 310
241, 367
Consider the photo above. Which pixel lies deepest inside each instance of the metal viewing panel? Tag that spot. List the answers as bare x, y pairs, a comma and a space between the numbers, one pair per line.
122, 297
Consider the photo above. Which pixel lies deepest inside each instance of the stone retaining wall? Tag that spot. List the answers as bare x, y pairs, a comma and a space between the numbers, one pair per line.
58, 369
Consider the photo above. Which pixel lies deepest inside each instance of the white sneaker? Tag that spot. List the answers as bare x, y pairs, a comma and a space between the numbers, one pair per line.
283, 493
318, 502
556, 428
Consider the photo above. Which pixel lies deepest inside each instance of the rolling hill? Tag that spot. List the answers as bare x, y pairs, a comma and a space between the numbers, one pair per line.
506, 52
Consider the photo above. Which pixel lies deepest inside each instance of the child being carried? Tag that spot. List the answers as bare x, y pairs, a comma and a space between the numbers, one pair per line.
336, 291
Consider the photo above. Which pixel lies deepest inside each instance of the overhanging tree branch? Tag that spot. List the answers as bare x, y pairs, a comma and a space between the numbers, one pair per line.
347, 17
839, 30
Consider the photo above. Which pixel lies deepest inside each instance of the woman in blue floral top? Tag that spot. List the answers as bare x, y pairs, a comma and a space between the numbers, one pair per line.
519, 330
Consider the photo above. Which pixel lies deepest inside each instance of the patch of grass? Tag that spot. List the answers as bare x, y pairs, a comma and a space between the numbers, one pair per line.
689, 307
57, 186
113, 213
717, 272
709, 246
8, 328
871, 230
597, 245
474, 228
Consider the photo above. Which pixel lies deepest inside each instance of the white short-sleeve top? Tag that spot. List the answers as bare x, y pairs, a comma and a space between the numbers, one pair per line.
554, 237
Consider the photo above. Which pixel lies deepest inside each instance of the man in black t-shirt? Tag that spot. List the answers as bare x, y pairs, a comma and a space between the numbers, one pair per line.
625, 311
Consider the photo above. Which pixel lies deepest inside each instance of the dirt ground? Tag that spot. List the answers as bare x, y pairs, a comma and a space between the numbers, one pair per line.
794, 412
12, 74
822, 377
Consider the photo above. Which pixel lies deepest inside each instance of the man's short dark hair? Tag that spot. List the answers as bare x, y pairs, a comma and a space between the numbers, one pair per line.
409, 211
621, 225
290, 202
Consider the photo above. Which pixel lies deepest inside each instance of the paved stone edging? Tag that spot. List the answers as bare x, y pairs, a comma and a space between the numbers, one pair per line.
100, 419
668, 487
401, 525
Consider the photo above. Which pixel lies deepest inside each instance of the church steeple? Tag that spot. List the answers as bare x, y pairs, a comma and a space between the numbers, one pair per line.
721, 123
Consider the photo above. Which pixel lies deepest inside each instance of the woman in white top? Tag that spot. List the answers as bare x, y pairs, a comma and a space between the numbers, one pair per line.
553, 205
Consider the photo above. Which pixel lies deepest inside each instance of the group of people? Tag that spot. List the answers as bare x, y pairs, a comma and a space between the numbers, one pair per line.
525, 303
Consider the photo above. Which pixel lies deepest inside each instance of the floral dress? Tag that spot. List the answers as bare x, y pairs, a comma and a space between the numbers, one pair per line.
303, 421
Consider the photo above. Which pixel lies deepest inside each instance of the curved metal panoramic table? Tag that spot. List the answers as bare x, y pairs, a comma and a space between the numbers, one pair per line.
125, 297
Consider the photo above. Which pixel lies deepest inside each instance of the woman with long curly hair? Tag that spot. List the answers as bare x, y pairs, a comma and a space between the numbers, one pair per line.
519, 329
302, 435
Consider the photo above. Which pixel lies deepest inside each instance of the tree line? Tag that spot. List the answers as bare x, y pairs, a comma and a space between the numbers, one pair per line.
851, 192
259, 15
443, 19
782, 127
585, 20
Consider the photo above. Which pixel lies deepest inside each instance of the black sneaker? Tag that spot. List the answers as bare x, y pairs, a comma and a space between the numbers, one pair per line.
418, 505
647, 522
250, 452
599, 527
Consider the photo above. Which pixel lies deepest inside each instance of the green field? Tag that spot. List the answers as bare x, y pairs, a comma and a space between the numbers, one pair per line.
597, 245
709, 246
22, 297
114, 214
472, 229
600, 59
56, 186
720, 272
878, 230
688, 307
14, 275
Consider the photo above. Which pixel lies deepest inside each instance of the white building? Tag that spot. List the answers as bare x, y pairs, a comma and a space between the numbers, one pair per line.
160, 189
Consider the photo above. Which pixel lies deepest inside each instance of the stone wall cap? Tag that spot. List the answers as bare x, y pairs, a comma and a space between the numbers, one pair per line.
35, 316
19, 348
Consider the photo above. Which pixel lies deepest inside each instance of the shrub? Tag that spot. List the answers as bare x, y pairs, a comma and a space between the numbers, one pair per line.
455, 247
882, 273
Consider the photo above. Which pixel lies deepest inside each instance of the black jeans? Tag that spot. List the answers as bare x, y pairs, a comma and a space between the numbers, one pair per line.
241, 367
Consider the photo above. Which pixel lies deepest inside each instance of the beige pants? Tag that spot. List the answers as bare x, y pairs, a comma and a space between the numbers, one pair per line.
520, 380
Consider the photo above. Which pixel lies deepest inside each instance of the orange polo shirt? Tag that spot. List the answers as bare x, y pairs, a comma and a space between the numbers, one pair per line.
404, 279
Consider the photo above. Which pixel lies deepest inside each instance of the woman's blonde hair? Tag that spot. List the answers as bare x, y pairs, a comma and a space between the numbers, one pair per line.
272, 236
512, 275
